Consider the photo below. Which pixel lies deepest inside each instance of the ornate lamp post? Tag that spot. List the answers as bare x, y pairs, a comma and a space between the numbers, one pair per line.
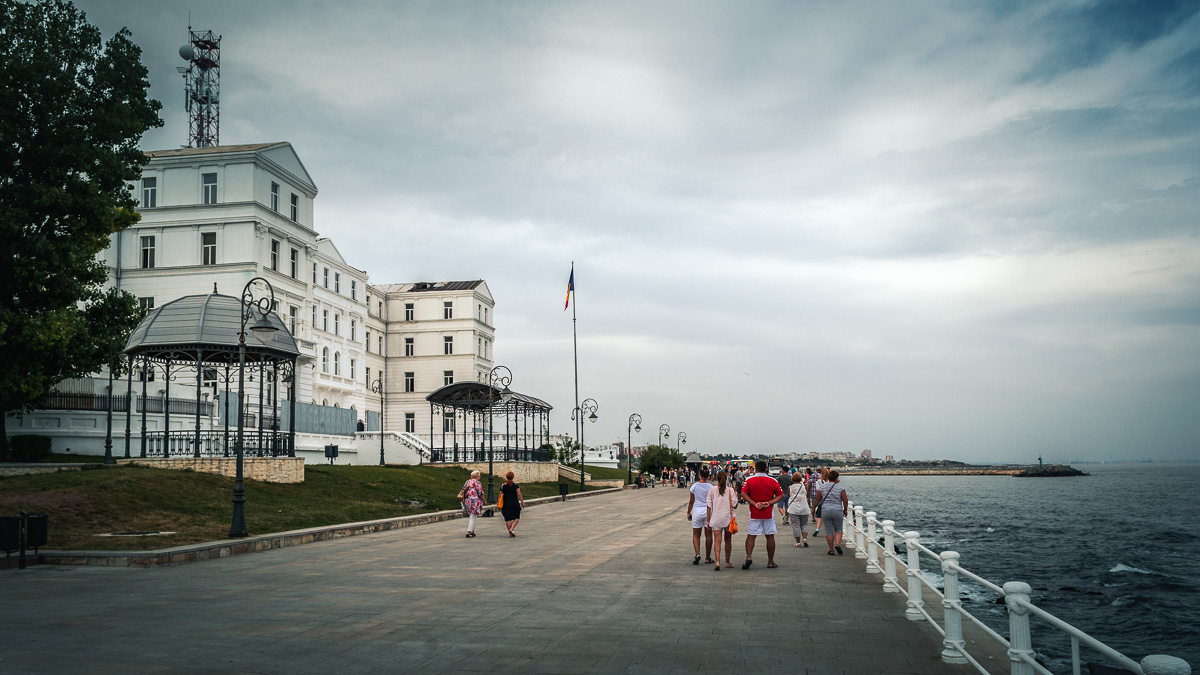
377, 387
664, 431
264, 332
587, 410
502, 376
635, 420
680, 438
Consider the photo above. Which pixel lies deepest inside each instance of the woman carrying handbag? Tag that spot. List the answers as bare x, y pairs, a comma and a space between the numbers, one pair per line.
722, 502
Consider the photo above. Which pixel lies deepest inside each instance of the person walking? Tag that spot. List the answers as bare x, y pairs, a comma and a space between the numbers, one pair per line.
761, 492
721, 502
798, 510
697, 512
472, 498
815, 489
510, 496
832, 504
785, 484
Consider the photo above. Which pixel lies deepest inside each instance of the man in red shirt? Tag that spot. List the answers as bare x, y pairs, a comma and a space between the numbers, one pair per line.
762, 493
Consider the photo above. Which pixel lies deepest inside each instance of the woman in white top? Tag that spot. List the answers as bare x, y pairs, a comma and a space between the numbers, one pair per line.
722, 501
798, 512
817, 488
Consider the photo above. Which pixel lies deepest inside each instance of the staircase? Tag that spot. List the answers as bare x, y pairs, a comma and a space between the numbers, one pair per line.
571, 473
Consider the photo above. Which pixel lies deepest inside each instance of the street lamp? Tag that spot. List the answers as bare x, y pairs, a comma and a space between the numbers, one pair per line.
377, 387
498, 375
587, 410
635, 420
663, 431
264, 332
680, 438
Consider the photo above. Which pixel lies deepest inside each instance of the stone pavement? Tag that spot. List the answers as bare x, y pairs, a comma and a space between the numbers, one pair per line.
598, 585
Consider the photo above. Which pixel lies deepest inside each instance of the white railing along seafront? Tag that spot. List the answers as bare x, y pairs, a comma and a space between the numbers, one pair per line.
862, 534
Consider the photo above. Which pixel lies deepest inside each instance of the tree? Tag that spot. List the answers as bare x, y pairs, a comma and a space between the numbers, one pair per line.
75, 109
656, 457
567, 452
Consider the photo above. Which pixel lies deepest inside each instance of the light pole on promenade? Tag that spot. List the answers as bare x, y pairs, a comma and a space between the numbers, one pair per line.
635, 424
680, 438
377, 387
264, 332
498, 375
664, 431
586, 410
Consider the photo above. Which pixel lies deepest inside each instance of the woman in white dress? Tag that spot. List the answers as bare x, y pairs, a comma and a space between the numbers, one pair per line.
722, 501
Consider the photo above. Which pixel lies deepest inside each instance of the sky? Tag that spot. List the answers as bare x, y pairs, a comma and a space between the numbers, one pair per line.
940, 230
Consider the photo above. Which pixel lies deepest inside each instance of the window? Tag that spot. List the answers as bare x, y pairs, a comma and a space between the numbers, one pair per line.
337, 324
208, 183
325, 361
325, 320
295, 207
337, 363
275, 255
447, 378
208, 248
448, 344
146, 374
480, 348
147, 252
408, 347
314, 320
410, 382
408, 311
479, 312
448, 424
275, 197
295, 263
485, 309
448, 310
325, 280
337, 282
368, 378
353, 289
146, 303
368, 342
352, 364
410, 422
379, 340
368, 304
314, 273
210, 376
379, 313
149, 192
293, 312
353, 330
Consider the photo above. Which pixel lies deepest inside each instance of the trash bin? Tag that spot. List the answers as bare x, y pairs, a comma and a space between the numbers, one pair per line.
37, 530
562, 491
10, 533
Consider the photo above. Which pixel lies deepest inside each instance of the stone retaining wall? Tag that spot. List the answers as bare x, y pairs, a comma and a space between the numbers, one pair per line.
524, 472
266, 469
28, 469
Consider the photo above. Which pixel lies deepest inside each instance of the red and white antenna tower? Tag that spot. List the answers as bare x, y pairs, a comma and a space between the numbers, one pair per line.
202, 87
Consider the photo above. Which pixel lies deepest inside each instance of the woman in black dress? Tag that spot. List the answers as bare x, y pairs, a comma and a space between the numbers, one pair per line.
513, 503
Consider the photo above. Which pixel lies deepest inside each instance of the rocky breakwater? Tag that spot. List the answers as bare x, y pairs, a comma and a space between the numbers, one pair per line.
1050, 471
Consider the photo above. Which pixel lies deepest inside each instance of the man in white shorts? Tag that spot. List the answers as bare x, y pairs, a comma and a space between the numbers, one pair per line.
761, 492
697, 512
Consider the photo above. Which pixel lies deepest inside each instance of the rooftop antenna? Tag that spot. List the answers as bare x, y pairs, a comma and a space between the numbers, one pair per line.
202, 87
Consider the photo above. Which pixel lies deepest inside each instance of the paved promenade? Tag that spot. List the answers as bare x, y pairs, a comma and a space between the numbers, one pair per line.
597, 585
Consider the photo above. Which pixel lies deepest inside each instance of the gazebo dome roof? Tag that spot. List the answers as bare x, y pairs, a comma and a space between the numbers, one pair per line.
207, 322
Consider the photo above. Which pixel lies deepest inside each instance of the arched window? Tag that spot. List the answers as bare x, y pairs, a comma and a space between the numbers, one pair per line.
337, 363
335, 404
324, 401
325, 361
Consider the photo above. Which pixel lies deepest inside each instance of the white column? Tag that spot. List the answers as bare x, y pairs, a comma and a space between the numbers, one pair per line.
889, 563
915, 603
851, 532
860, 535
872, 545
953, 644
1020, 642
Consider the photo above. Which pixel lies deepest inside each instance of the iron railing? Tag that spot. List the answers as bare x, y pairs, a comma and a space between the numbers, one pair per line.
458, 455
58, 400
862, 534
215, 443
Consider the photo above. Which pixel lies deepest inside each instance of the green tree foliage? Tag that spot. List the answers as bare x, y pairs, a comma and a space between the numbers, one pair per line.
75, 108
567, 453
656, 457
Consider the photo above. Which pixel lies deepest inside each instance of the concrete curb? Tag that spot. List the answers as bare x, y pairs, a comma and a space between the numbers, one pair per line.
231, 547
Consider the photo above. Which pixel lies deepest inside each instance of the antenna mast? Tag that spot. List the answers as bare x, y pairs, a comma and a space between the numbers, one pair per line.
202, 87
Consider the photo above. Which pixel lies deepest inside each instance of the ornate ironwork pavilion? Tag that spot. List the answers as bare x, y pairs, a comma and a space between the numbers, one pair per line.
199, 333
478, 417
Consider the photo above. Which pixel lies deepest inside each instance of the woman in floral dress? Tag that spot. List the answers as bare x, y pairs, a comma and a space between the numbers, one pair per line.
473, 501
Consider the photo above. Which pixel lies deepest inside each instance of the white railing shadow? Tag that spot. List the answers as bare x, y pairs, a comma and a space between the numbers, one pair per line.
862, 535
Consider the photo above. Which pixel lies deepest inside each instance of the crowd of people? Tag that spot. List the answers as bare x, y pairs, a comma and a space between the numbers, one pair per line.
799, 497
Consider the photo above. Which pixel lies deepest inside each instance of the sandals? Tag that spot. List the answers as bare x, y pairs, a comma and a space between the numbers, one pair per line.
696, 561
746, 565
717, 568
470, 534
708, 561
771, 565
832, 553
838, 549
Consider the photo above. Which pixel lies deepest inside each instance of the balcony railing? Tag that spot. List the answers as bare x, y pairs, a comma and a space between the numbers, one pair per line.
58, 400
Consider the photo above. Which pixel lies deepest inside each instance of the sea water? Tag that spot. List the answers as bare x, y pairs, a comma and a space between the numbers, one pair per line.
1116, 553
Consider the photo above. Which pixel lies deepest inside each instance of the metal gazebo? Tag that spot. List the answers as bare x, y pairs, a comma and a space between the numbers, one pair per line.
200, 333
479, 406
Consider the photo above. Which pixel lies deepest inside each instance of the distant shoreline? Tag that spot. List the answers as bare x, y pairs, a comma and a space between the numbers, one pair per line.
995, 470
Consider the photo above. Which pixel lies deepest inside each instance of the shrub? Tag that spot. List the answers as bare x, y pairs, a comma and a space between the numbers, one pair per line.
28, 448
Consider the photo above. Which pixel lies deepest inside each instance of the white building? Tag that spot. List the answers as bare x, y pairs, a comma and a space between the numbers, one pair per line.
213, 218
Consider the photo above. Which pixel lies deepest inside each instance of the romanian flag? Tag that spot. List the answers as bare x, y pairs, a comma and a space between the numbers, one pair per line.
570, 287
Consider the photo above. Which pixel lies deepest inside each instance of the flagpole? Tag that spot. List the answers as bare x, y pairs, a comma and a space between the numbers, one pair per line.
575, 345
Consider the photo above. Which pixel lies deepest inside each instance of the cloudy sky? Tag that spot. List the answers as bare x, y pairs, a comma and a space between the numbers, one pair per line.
934, 230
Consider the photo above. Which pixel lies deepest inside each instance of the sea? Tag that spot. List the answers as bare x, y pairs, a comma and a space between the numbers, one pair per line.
1115, 553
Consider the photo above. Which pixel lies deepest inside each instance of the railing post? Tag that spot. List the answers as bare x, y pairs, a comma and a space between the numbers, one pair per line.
1157, 664
953, 645
915, 603
1016, 594
872, 545
852, 533
889, 563
860, 538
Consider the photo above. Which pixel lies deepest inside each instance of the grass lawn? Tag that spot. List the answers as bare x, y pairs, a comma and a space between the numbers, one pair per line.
197, 506
605, 473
